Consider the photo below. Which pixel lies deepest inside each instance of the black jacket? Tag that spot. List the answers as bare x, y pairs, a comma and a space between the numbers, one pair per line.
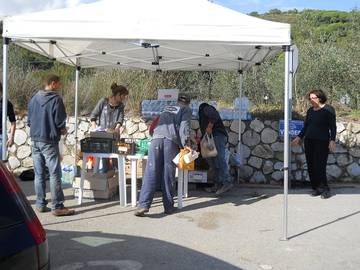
208, 113
10, 113
46, 116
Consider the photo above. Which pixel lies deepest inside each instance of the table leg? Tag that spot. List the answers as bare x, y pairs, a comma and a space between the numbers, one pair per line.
180, 188
96, 164
133, 182
122, 180
82, 179
186, 180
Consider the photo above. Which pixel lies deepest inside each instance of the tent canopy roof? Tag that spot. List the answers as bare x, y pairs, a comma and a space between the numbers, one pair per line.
152, 35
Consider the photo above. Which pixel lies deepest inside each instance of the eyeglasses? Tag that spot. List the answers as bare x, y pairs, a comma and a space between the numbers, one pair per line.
312, 98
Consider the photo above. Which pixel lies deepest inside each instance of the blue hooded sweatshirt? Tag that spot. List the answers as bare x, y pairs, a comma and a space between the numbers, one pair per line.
46, 116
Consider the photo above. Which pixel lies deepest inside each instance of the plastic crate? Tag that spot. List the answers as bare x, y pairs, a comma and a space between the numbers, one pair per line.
98, 145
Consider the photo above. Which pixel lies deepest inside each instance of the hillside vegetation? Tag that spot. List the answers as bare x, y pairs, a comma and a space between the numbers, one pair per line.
329, 51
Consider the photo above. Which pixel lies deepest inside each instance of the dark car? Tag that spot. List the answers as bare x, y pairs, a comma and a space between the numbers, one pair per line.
23, 242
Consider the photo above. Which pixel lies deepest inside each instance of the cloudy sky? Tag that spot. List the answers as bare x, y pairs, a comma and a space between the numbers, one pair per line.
12, 7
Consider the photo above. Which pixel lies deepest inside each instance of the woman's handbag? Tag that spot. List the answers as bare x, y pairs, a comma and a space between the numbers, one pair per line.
207, 145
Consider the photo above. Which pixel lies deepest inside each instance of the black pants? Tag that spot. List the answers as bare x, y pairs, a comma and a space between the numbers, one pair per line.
316, 153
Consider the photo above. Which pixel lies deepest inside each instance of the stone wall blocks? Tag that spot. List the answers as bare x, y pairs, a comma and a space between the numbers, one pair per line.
340, 127
13, 163
23, 151
257, 125
269, 135
235, 126
263, 151
258, 177
354, 170
251, 138
344, 159
278, 147
333, 171
245, 172
255, 162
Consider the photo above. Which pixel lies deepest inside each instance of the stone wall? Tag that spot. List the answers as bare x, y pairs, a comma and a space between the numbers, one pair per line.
261, 145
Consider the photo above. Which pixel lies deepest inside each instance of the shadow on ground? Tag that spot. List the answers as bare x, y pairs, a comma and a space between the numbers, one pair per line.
104, 251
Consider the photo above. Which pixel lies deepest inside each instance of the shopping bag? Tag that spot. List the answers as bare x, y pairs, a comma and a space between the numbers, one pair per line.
207, 145
182, 164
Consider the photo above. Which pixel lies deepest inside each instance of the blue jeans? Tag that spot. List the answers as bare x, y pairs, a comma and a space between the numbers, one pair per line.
159, 168
47, 155
218, 163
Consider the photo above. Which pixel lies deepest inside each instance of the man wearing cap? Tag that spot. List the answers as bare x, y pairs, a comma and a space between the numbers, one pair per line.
171, 133
210, 123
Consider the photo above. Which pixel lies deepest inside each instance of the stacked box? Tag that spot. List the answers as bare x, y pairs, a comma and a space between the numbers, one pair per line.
197, 177
97, 185
140, 169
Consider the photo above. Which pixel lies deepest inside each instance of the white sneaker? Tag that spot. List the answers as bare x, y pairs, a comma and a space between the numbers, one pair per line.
225, 188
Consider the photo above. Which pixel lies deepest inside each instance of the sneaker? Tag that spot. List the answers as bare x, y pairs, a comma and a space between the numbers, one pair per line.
225, 188
170, 211
43, 209
60, 212
325, 195
315, 192
140, 212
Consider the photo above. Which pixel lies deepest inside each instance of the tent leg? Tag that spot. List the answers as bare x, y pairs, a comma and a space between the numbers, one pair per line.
77, 75
4, 97
239, 150
290, 102
286, 144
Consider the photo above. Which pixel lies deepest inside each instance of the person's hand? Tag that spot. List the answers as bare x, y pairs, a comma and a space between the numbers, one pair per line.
332, 146
63, 131
10, 141
188, 148
296, 141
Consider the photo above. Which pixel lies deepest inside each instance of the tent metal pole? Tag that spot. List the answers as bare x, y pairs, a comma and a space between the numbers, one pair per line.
286, 143
77, 75
6, 43
239, 150
291, 73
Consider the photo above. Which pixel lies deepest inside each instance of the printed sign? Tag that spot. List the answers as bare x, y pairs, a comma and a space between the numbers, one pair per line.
295, 126
168, 94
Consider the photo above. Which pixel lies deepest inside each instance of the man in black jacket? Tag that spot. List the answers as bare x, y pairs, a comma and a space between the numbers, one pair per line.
46, 119
211, 123
12, 119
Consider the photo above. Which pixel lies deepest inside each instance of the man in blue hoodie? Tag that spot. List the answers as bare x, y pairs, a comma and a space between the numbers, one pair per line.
47, 119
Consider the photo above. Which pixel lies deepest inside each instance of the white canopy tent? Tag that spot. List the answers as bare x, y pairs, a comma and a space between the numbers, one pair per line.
158, 35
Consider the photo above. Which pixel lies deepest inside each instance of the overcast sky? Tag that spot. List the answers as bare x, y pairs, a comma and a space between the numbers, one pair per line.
12, 7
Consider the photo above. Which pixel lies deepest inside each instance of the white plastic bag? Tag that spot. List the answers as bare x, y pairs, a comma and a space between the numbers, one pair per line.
208, 148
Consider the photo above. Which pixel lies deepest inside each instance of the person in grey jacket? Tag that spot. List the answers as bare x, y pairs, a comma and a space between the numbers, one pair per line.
109, 115
171, 133
46, 119
109, 111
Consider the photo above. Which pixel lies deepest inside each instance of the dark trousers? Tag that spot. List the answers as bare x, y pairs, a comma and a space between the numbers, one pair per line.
316, 153
159, 168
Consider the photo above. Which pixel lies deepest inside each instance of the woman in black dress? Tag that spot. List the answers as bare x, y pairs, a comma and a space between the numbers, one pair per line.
319, 134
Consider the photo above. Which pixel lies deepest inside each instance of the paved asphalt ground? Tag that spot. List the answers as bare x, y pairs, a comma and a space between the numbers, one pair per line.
240, 230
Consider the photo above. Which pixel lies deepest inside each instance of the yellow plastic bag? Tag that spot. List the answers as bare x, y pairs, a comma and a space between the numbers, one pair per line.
184, 166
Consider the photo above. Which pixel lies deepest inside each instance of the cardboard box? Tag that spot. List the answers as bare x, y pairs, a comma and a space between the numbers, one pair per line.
97, 194
140, 168
168, 94
98, 181
197, 176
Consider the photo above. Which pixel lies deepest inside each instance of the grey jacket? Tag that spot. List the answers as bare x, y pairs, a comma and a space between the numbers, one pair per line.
106, 115
174, 124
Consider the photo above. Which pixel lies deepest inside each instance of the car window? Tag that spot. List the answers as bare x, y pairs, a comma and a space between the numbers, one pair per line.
9, 212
